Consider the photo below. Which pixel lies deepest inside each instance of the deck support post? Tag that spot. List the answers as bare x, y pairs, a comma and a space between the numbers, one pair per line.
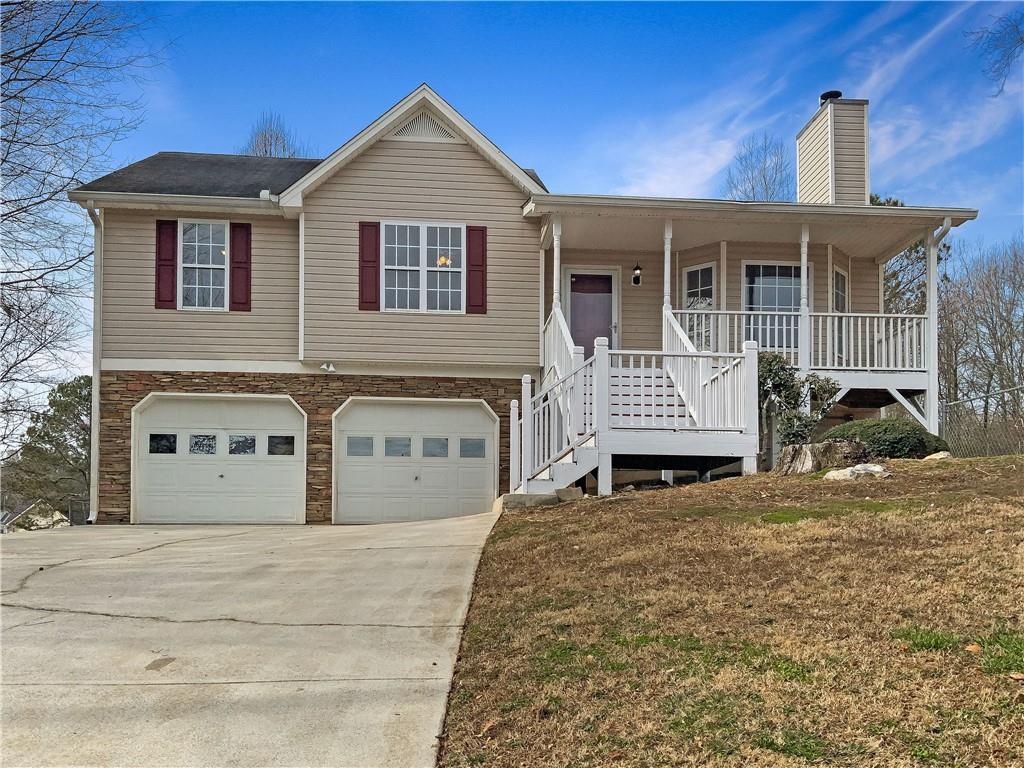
556, 259
751, 406
668, 476
602, 413
932, 357
526, 435
515, 463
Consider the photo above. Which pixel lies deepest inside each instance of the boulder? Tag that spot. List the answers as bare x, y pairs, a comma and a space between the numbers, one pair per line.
938, 456
572, 493
861, 470
813, 457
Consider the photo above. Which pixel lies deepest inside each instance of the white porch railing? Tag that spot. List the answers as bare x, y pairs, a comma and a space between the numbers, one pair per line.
836, 341
724, 331
560, 354
868, 342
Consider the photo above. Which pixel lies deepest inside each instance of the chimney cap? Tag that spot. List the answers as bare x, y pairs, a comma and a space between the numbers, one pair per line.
828, 96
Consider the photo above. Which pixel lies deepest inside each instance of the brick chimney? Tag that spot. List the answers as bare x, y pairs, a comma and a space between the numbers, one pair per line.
832, 153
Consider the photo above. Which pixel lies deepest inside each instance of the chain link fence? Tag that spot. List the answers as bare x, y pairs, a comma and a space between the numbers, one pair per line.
986, 425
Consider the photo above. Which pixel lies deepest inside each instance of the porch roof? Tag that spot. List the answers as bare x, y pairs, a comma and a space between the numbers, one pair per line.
637, 223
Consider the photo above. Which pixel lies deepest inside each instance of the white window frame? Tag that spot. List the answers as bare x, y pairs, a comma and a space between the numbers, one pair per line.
227, 265
684, 279
779, 263
423, 269
832, 290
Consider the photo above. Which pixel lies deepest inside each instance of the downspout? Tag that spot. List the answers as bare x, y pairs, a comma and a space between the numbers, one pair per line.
97, 332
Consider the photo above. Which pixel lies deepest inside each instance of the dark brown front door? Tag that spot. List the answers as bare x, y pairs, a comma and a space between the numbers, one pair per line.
591, 309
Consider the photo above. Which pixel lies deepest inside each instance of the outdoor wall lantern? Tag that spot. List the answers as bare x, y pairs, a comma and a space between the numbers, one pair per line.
637, 274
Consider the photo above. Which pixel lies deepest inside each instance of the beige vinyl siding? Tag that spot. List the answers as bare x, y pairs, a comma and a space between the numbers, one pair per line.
420, 181
133, 328
814, 161
851, 155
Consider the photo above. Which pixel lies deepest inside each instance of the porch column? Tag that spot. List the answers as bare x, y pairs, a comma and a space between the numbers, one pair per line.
556, 277
932, 397
804, 331
667, 289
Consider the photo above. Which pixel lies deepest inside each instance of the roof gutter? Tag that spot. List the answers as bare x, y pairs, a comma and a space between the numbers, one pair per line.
261, 206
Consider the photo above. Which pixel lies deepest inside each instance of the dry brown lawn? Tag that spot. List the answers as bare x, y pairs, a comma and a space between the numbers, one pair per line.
759, 621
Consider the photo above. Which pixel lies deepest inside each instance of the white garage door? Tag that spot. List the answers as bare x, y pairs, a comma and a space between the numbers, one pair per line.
219, 460
409, 460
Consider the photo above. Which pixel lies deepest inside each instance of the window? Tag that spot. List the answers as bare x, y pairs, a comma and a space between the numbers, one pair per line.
398, 446
359, 446
775, 290
280, 445
435, 447
839, 291
203, 257
241, 445
699, 291
163, 443
205, 445
471, 447
424, 267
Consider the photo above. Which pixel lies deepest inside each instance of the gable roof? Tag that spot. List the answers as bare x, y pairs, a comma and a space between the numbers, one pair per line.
192, 173
406, 110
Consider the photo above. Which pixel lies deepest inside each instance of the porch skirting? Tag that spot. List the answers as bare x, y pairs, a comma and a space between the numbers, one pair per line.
318, 395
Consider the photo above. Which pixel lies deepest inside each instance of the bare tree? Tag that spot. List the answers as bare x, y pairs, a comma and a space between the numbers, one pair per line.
65, 68
270, 137
905, 283
762, 170
1001, 44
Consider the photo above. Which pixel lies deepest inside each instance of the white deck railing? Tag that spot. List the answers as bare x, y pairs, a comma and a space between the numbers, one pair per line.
868, 342
560, 354
836, 341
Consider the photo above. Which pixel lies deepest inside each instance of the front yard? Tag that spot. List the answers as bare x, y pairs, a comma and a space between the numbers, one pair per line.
757, 621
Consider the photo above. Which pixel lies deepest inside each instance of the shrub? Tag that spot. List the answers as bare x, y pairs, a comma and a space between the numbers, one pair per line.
890, 438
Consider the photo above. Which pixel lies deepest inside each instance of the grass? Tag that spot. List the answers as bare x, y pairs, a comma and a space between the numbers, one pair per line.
758, 621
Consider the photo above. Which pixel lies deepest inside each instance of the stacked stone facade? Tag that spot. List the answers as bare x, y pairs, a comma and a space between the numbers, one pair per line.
318, 395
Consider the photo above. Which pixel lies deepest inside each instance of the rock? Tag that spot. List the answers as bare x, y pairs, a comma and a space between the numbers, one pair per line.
938, 456
861, 470
572, 493
813, 457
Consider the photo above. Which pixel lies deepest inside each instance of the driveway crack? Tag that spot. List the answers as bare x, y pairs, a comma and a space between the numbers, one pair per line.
227, 619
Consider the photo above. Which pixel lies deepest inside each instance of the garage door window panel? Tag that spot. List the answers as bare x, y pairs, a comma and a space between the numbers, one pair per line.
472, 448
202, 444
398, 447
280, 445
435, 447
163, 443
242, 445
359, 445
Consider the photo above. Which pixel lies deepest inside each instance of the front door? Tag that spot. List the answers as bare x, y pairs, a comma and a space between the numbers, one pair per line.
591, 308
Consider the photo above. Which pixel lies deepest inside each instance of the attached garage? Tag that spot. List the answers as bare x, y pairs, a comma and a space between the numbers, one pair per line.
218, 459
401, 459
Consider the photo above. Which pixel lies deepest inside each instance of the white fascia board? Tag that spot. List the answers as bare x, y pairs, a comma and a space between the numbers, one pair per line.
543, 204
407, 107
201, 203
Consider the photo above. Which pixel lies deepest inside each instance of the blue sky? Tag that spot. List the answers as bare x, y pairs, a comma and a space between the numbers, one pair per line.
607, 98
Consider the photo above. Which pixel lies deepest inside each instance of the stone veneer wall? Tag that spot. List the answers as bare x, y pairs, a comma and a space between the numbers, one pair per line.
318, 395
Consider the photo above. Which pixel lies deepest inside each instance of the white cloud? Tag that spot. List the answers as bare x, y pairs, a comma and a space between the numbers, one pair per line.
887, 72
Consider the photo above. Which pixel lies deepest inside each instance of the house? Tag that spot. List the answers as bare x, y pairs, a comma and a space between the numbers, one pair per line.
415, 324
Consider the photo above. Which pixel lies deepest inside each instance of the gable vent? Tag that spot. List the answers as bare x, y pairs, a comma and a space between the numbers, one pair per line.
426, 127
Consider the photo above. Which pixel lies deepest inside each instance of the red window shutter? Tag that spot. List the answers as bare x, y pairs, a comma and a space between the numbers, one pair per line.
166, 265
369, 265
476, 270
240, 271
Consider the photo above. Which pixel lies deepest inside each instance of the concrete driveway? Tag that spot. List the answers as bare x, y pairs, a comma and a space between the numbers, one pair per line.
233, 645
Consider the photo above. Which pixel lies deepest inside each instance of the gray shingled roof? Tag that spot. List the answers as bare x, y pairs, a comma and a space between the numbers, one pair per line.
192, 173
